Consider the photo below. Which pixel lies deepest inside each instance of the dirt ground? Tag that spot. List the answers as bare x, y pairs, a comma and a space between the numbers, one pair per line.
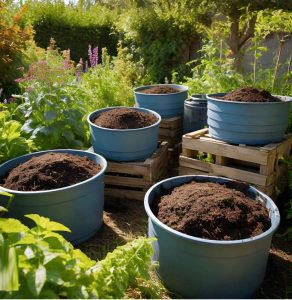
125, 219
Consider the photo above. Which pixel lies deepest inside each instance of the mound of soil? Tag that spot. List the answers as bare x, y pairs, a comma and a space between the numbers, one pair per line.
213, 211
50, 171
160, 89
125, 118
249, 94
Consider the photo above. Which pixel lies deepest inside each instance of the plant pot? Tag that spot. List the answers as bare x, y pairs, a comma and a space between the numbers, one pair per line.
200, 268
167, 105
251, 123
124, 144
195, 113
79, 206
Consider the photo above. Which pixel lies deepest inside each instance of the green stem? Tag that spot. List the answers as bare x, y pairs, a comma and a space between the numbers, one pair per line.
254, 66
281, 45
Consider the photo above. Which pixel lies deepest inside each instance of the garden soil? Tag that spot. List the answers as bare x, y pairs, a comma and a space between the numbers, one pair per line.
249, 94
212, 211
125, 118
50, 171
160, 89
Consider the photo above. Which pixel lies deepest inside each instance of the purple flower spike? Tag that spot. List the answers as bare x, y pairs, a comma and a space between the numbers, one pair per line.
93, 56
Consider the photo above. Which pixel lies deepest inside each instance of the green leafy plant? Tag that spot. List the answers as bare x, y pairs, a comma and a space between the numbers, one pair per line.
206, 157
47, 266
12, 138
105, 85
53, 117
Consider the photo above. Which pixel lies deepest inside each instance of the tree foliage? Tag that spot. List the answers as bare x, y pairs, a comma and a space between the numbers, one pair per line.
13, 38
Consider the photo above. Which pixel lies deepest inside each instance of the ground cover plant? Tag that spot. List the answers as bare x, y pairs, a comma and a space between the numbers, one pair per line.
38, 262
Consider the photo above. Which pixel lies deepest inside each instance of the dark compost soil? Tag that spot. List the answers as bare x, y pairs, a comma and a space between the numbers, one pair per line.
249, 94
125, 118
50, 171
212, 211
160, 89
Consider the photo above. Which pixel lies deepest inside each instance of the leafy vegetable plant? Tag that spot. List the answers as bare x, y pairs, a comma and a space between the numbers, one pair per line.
43, 264
12, 140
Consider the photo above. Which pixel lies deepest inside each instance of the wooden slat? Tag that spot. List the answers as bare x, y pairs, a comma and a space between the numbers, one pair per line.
126, 181
130, 169
233, 173
151, 170
285, 147
227, 150
190, 171
129, 194
196, 134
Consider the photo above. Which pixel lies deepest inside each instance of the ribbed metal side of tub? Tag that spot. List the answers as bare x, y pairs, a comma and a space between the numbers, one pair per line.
248, 122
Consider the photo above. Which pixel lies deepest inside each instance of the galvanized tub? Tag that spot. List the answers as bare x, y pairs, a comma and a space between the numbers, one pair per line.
249, 123
124, 144
193, 267
167, 105
79, 206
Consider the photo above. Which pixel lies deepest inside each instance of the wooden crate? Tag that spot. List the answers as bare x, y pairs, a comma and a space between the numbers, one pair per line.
132, 179
171, 130
255, 165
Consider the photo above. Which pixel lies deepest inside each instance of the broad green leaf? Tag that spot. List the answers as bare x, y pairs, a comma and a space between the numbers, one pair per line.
8, 267
50, 115
12, 225
14, 131
45, 223
83, 260
5, 194
55, 243
36, 280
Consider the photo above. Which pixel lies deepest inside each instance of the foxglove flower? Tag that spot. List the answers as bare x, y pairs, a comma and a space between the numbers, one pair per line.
93, 56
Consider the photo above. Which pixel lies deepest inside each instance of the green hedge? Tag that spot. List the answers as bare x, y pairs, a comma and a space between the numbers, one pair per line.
75, 37
73, 27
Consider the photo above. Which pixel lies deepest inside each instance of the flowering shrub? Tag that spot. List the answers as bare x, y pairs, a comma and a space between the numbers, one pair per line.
13, 40
93, 56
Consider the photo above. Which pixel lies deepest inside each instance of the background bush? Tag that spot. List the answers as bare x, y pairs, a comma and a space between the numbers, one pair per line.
13, 39
164, 35
73, 27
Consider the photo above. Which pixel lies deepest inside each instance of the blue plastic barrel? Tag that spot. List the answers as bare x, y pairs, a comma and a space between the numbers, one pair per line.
195, 113
79, 206
194, 267
251, 123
